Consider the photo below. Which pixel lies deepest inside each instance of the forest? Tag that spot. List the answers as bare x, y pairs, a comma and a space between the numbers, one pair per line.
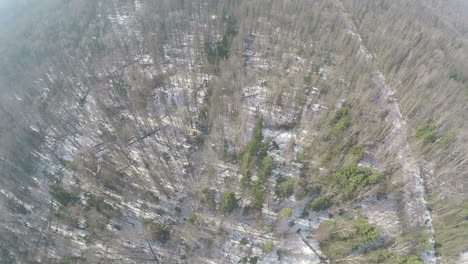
234, 131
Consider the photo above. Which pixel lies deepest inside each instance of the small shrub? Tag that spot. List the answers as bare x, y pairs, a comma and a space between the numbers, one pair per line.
225, 149
209, 199
342, 236
319, 204
263, 151
63, 196
269, 229
199, 140
228, 202
286, 213
245, 165
341, 126
339, 122
267, 247
253, 260
6, 257
258, 195
257, 136
422, 241
445, 139
426, 133
178, 210
382, 255
68, 164
367, 232
191, 219
166, 157
410, 260
255, 147
244, 241
357, 151
16, 206
458, 76
266, 167
284, 187
353, 179
305, 213
101, 206
151, 197
72, 260
339, 115
159, 232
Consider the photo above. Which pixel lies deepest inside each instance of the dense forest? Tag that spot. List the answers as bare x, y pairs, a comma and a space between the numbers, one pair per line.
233, 131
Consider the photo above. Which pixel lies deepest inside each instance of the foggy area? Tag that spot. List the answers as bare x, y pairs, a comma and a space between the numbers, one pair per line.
233, 131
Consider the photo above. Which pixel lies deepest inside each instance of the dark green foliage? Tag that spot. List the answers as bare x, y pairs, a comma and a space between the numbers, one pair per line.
357, 152
446, 139
258, 195
112, 178
158, 231
319, 204
410, 260
21, 154
166, 157
257, 137
244, 241
426, 133
267, 247
66, 163
255, 148
284, 187
225, 149
178, 210
339, 122
422, 241
341, 126
16, 207
452, 229
221, 49
245, 181
63, 196
304, 213
121, 87
150, 197
458, 76
6, 257
352, 179
210, 53
253, 260
266, 167
101, 206
245, 165
66, 216
367, 232
340, 237
228, 202
199, 140
209, 199
263, 151
72, 260
340, 114
382, 255
203, 113
191, 219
